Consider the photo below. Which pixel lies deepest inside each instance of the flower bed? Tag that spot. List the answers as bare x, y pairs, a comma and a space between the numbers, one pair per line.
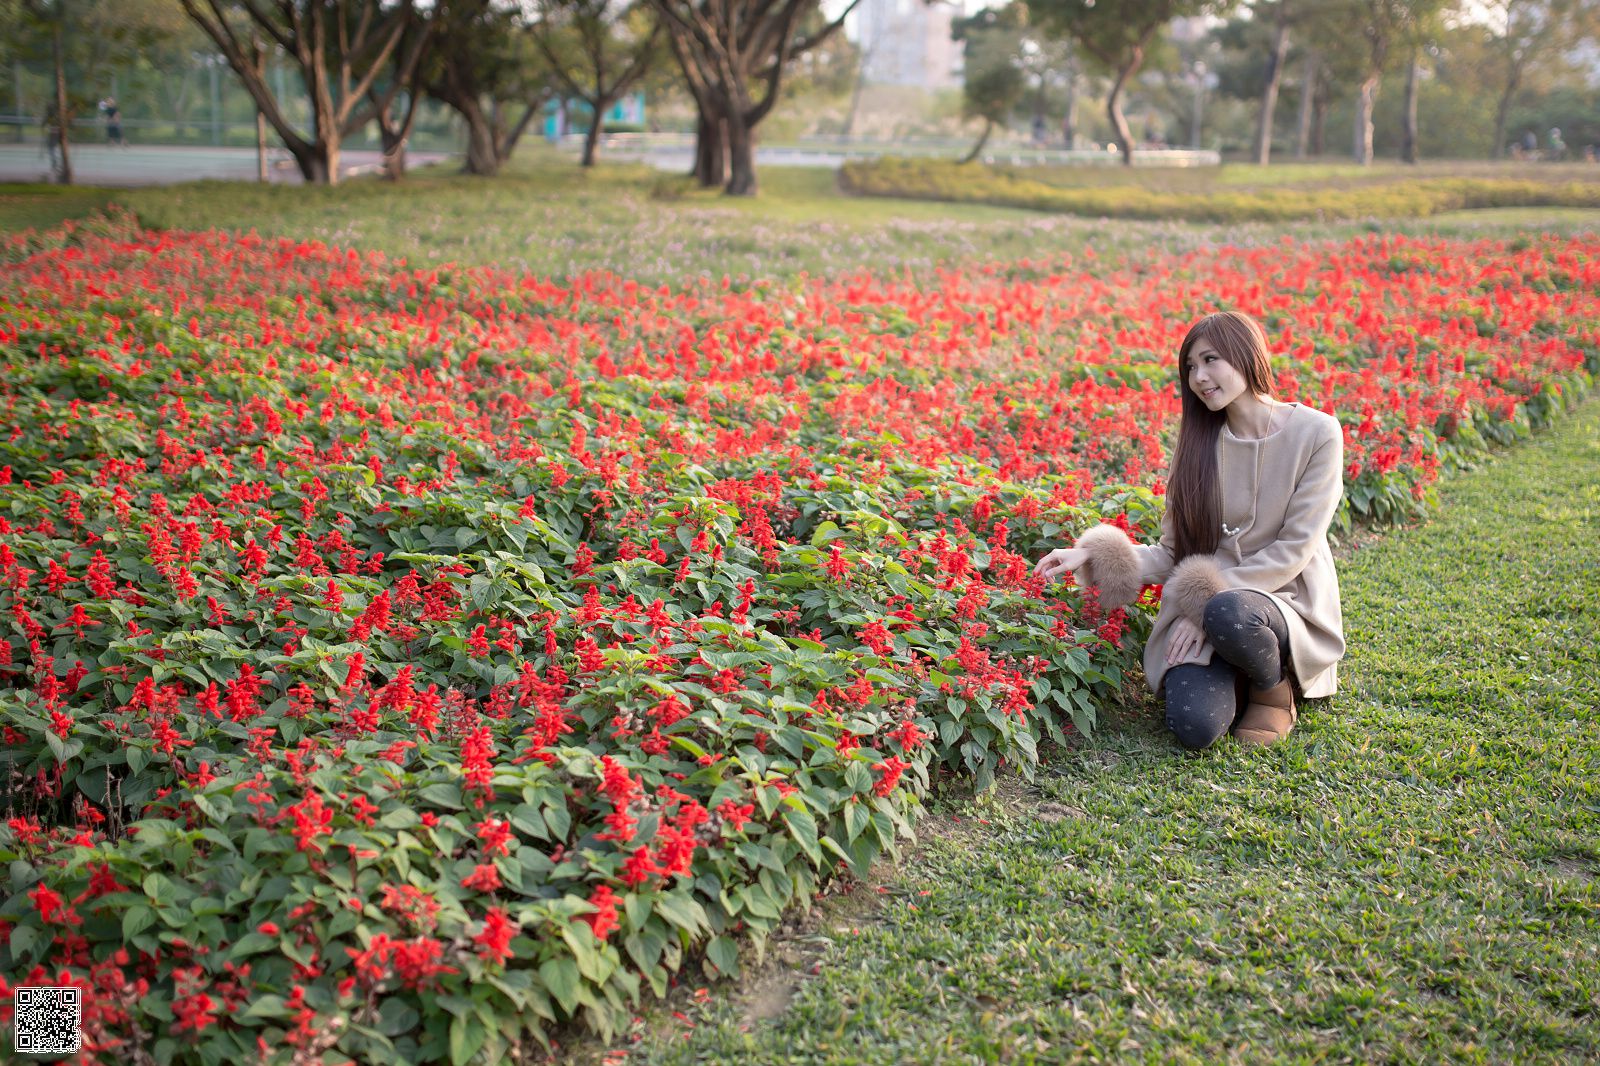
402, 663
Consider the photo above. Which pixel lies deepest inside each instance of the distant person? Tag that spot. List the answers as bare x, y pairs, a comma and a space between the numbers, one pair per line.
1558, 147
113, 114
51, 147
1038, 129
1530, 144
1591, 154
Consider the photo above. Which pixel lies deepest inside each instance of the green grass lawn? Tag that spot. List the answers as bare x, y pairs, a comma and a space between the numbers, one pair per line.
1413, 876
548, 217
43, 206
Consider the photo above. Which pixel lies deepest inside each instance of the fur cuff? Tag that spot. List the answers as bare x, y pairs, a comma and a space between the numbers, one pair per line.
1191, 586
1112, 566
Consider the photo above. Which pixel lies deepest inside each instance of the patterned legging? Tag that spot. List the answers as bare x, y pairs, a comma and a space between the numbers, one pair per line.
1250, 643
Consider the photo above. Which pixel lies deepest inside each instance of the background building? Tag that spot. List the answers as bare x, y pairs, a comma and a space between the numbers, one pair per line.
907, 42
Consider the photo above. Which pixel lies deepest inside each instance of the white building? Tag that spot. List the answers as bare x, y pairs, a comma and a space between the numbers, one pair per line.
907, 42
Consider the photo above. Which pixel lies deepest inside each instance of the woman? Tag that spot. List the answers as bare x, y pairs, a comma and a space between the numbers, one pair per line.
1250, 600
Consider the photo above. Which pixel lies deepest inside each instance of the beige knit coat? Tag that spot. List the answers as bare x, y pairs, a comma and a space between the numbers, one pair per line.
1279, 495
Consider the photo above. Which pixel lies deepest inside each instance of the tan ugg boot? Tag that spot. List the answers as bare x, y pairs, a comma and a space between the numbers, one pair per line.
1268, 716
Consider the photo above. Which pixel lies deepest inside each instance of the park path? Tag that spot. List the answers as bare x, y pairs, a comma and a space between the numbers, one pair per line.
98, 164
1415, 875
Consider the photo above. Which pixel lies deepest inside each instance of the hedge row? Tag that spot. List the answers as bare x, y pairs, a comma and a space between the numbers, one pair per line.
928, 179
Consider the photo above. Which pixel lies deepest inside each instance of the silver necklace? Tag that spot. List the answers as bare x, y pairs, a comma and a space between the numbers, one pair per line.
1222, 481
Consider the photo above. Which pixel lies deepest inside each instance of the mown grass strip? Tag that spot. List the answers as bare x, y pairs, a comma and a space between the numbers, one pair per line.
1414, 876
921, 179
551, 219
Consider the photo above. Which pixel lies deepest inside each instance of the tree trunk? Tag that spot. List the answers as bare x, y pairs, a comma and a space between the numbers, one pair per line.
325, 146
482, 158
505, 143
1408, 113
710, 152
1366, 99
1269, 93
261, 147
258, 52
1319, 125
741, 156
64, 156
591, 140
317, 163
1502, 112
394, 152
1119, 123
983, 139
1308, 96
394, 135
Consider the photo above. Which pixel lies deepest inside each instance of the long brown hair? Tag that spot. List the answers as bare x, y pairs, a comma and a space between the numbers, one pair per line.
1194, 498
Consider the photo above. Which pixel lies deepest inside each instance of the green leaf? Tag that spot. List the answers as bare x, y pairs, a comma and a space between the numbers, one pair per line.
561, 977
557, 817
467, 1035
22, 939
135, 920
443, 794
396, 1016
267, 1006
724, 955
526, 817
159, 888
824, 533
249, 944
585, 951
803, 828
856, 818
682, 912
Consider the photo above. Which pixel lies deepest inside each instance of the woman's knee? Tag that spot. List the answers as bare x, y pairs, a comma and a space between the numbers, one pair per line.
1228, 609
1197, 728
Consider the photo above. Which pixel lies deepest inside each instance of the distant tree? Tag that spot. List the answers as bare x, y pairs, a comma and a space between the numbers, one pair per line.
867, 48
597, 50
341, 48
1001, 57
394, 129
1118, 36
1278, 18
486, 67
730, 51
89, 37
1382, 26
1527, 32
991, 94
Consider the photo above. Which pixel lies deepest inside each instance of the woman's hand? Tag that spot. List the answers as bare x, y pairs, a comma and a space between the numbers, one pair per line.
1060, 561
1186, 643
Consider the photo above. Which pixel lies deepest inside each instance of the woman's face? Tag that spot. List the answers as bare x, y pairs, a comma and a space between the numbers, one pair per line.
1213, 378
